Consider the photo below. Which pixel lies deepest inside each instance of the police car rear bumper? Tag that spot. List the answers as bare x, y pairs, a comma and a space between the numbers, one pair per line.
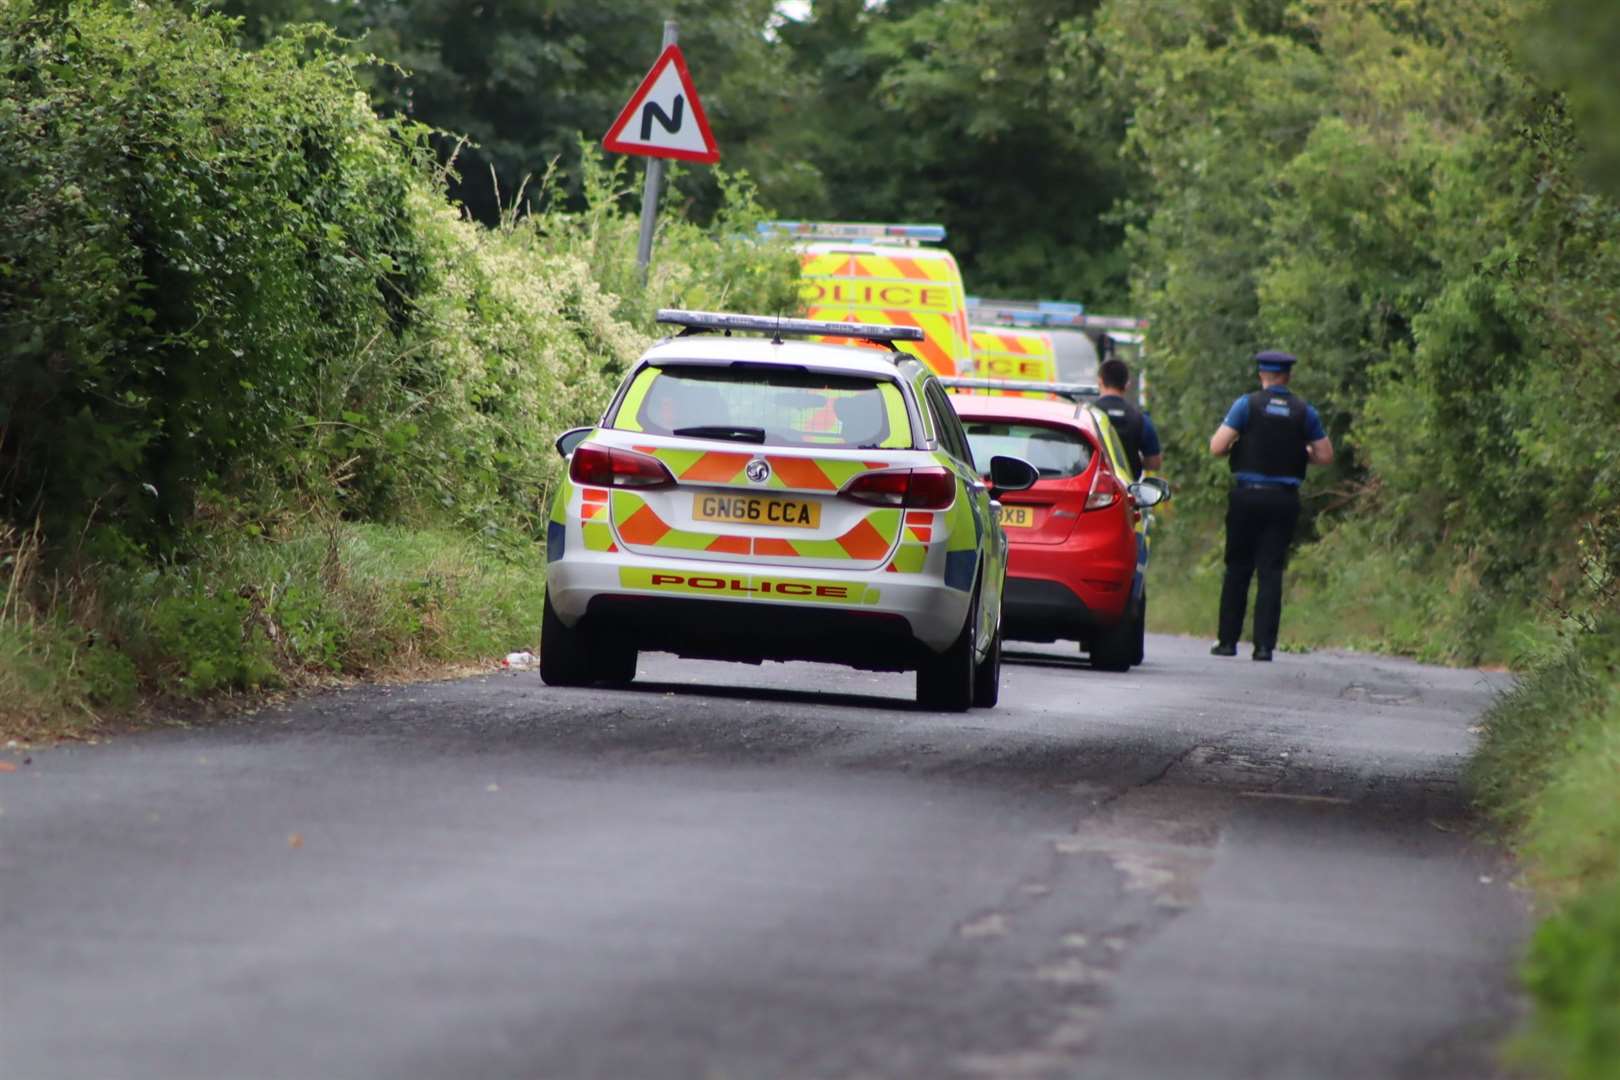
728, 610
748, 631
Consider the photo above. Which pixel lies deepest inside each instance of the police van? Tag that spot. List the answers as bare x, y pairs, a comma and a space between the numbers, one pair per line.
1080, 340
884, 274
1013, 355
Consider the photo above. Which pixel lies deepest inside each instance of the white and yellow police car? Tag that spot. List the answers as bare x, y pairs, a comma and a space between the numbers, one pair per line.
767, 498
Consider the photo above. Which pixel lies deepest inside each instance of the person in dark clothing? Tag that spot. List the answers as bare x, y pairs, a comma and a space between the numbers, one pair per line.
1271, 435
1135, 427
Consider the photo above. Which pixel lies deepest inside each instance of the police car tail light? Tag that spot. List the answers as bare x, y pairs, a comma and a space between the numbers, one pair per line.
607, 466
1104, 491
916, 489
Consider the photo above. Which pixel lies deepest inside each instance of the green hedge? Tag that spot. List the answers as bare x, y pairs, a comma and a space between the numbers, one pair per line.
226, 279
243, 321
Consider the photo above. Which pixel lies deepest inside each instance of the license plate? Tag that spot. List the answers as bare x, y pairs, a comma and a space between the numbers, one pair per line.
1019, 517
757, 510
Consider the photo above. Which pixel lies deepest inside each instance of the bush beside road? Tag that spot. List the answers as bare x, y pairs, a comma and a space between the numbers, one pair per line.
277, 409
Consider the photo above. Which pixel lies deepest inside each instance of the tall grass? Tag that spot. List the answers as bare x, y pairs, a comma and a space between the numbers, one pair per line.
1351, 590
246, 614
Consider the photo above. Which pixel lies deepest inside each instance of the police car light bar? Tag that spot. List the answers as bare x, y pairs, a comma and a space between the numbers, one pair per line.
1115, 322
1048, 313
1074, 391
855, 230
701, 322
1025, 312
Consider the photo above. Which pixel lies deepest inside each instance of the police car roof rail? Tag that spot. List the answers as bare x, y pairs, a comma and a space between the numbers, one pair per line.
708, 322
870, 231
1073, 391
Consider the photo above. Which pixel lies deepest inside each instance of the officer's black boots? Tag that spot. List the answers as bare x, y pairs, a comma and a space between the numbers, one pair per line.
1262, 653
1220, 648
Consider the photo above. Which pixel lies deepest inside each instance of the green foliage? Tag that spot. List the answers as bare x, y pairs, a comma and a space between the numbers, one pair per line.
1386, 191
1356, 588
189, 235
948, 110
213, 643
244, 320
524, 78
235, 291
1572, 47
1573, 973
339, 599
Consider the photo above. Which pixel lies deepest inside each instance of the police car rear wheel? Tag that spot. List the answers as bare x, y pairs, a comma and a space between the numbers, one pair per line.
987, 676
948, 682
563, 657
613, 663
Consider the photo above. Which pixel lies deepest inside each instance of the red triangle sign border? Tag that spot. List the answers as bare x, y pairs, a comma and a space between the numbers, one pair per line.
614, 141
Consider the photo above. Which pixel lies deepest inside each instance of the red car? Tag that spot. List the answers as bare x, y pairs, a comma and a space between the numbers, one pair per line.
1077, 539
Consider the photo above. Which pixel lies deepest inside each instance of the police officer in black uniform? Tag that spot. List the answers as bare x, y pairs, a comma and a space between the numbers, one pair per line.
1271, 435
1134, 427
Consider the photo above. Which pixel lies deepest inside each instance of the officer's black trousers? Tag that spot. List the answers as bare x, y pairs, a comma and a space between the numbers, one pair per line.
1259, 525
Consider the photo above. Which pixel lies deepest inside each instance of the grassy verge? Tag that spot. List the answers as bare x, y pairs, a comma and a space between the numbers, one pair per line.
78, 651
1549, 770
1349, 591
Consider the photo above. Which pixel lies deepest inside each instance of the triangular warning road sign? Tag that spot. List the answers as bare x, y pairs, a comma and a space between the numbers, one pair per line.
664, 117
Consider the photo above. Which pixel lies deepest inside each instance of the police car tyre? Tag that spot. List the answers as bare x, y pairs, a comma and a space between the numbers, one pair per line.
1115, 648
948, 682
613, 663
564, 660
987, 676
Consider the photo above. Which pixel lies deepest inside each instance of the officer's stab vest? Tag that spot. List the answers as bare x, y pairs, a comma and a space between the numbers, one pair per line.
1127, 420
1274, 443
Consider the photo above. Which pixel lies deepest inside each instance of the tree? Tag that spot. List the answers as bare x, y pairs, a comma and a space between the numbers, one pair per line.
522, 80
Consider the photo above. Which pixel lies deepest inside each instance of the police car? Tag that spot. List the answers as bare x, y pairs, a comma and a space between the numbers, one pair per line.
765, 498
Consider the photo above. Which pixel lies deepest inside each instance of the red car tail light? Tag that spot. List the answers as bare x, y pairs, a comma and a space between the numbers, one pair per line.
1104, 490
608, 466
915, 489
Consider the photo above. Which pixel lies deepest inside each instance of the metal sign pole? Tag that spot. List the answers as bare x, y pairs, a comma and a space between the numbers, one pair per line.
655, 180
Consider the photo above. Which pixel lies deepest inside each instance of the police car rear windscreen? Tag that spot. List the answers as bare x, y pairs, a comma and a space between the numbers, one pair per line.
768, 405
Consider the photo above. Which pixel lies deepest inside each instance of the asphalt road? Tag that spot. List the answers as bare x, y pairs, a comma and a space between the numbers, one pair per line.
1203, 869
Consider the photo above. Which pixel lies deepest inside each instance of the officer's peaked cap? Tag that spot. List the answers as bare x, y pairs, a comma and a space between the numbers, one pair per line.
1270, 360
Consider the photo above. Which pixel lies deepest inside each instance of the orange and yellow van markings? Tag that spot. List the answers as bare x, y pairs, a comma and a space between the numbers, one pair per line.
884, 287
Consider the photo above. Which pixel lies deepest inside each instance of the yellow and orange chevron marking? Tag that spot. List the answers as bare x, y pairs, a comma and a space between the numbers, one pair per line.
1003, 353
722, 467
598, 534
924, 291
912, 554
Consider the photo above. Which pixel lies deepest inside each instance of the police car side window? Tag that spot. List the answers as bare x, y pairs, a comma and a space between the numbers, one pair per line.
951, 436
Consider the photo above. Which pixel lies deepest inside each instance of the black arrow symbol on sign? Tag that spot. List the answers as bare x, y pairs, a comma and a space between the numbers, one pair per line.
671, 124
